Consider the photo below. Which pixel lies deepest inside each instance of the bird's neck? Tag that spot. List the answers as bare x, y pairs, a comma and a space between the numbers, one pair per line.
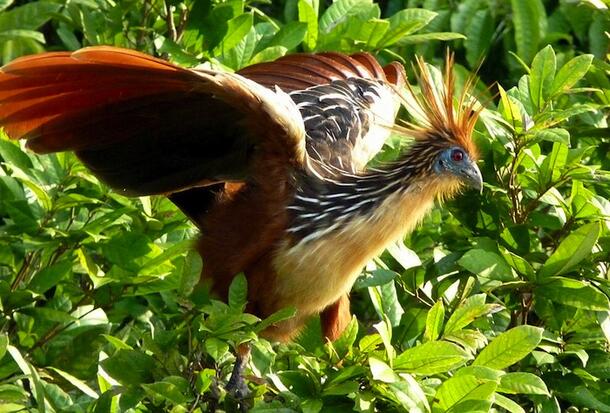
331, 203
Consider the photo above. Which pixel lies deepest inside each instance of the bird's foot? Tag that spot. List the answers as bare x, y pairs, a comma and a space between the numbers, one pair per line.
237, 386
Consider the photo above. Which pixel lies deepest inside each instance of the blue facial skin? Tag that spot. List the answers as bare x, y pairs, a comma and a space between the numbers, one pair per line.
456, 161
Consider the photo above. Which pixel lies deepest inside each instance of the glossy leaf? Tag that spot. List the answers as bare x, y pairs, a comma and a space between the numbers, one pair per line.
434, 321
574, 293
431, 358
573, 249
571, 73
486, 264
509, 347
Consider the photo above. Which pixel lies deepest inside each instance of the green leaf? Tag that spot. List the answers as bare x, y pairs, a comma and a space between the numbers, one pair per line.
519, 264
470, 339
526, 19
385, 301
308, 14
281, 315
426, 37
468, 311
3, 344
124, 249
191, 273
4, 4
553, 164
405, 256
479, 35
170, 253
507, 404
381, 371
405, 22
522, 383
384, 328
79, 384
432, 357
409, 394
242, 53
290, 35
238, 28
175, 53
216, 348
343, 345
434, 321
29, 16
509, 347
50, 276
21, 34
553, 135
368, 32
27, 369
166, 390
542, 75
117, 343
486, 264
511, 109
130, 367
572, 292
377, 277
340, 11
573, 249
571, 73
41, 194
480, 372
311, 406
238, 292
13, 155
462, 388
269, 54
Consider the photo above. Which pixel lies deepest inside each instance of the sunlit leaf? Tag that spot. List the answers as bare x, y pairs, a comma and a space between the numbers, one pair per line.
509, 347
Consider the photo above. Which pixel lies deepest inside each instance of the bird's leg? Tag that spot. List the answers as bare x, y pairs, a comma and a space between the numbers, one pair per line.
335, 318
237, 386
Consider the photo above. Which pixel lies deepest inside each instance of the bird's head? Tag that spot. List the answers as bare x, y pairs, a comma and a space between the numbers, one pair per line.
457, 163
442, 125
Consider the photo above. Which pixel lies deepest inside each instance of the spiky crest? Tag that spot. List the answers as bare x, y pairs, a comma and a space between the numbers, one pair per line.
438, 118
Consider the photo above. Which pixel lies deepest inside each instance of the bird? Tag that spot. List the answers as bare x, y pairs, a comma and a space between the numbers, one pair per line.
271, 163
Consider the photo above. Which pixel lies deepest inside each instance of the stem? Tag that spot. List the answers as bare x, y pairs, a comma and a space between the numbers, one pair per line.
169, 20
52, 333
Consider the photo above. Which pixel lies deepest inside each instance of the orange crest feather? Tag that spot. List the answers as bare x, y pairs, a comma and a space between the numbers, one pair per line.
437, 116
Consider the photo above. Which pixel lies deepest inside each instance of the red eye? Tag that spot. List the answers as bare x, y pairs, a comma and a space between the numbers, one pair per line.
457, 155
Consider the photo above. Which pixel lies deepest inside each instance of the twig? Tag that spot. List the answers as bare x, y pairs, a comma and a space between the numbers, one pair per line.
169, 19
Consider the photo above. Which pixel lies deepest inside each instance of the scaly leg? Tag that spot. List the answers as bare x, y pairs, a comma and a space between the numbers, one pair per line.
237, 386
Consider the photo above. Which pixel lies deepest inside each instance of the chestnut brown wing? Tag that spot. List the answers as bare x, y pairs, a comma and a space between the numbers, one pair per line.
143, 125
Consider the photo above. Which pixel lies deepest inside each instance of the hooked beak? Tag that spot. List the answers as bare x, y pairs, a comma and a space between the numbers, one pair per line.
471, 176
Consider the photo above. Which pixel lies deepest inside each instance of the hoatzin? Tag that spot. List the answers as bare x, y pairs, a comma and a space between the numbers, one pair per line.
270, 162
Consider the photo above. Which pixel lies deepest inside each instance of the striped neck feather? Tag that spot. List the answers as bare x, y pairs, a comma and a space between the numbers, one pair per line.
329, 201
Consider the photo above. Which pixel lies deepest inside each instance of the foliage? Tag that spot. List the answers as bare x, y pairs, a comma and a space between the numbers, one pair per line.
498, 302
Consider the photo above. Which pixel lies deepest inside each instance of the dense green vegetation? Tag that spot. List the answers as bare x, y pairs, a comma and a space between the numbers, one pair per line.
499, 302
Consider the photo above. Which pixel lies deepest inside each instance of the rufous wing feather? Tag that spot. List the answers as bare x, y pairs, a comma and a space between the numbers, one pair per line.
142, 124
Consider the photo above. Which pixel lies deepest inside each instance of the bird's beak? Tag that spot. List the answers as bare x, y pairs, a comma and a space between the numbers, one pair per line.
471, 176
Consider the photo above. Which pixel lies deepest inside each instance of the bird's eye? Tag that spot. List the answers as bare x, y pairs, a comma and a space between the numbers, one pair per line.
457, 155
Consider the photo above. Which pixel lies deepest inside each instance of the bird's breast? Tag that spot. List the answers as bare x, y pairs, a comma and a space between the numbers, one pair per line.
314, 273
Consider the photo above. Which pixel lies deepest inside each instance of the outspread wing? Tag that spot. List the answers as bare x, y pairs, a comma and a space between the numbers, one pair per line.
143, 125
348, 103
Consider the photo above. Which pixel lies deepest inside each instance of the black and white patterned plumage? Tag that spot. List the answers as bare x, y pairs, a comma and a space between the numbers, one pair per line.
346, 121
322, 205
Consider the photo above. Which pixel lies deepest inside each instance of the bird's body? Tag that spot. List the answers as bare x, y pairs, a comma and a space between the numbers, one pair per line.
269, 163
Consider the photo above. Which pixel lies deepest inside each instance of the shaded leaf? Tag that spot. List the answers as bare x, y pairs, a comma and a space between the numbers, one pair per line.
574, 293
572, 250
